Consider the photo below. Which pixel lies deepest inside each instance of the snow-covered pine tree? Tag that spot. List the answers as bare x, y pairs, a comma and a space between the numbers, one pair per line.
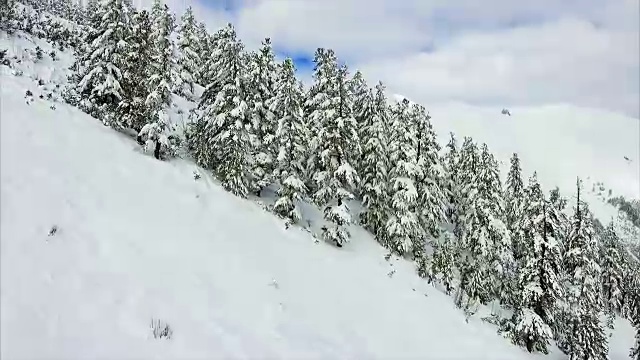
291, 135
501, 256
514, 198
403, 227
161, 73
196, 133
189, 61
362, 100
221, 130
443, 255
99, 79
429, 179
323, 88
443, 262
204, 49
154, 138
483, 239
8, 16
430, 176
132, 108
559, 203
262, 76
612, 264
205, 40
539, 286
61, 8
77, 12
338, 147
161, 68
375, 164
92, 14
472, 265
583, 336
452, 186
630, 283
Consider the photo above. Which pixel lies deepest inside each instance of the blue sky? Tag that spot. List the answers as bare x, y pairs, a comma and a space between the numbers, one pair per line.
492, 52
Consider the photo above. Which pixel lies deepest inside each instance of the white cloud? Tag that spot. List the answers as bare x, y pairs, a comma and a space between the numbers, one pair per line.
584, 52
213, 17
351, 28
565, 61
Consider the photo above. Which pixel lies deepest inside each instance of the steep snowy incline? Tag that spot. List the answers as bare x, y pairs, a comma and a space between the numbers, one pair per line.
559, 142
138, 239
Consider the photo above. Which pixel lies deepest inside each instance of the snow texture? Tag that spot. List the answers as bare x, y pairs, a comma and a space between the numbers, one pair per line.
139, 242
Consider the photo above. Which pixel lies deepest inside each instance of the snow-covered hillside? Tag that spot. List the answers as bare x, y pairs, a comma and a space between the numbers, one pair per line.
559, 143
99, 240
140, 239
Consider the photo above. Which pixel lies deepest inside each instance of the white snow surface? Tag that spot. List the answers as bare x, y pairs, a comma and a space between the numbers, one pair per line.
139, 240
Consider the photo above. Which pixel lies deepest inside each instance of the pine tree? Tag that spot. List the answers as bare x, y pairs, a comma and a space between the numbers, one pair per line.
8, 16
204, 50
161, 67
514, 198
403, 227
361, 99
92, 14
323, 88
62, 8
263, 73
612, 263
375, 164
583, 337
492, 227
362, 111
337, 143
483, 240
211, 54
154, 138
630, 285
291, 139
429, 179
469, 263
221, 129
189, 61
452, 185
539, 272
133, 110
443, 262
210, 71
98, 81
77, 12
430, 176
559, 203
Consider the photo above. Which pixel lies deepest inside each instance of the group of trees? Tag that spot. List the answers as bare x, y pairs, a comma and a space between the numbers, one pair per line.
560, 273
126, 70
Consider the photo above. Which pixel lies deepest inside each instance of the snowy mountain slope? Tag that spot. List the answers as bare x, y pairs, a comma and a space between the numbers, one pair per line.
139, 239
209, 273
560, 143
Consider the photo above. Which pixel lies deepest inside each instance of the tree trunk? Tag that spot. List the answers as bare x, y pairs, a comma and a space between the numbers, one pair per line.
156, 152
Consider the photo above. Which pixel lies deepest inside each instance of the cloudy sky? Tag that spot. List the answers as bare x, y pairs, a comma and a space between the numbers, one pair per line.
491, 52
